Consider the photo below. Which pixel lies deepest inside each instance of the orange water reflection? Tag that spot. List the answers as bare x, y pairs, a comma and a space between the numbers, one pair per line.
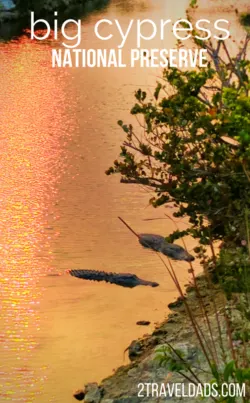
32, 161
84, 327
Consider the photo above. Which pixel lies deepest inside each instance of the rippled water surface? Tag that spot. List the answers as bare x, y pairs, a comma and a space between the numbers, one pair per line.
58, 210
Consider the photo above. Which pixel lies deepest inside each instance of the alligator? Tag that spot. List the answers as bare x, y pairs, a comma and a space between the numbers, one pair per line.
159, 244
123, 279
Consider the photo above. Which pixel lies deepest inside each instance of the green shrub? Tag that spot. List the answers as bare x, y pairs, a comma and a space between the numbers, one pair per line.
194, 149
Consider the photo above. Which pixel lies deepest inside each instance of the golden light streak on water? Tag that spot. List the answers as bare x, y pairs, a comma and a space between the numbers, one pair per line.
58, 210
32, 135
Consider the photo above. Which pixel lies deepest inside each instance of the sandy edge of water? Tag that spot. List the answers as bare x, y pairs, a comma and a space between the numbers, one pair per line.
123, 385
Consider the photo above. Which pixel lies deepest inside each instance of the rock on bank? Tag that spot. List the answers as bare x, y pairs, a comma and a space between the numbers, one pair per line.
129, 383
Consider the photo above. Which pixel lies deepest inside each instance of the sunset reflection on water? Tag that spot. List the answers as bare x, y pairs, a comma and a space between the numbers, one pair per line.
32, 133
58, 210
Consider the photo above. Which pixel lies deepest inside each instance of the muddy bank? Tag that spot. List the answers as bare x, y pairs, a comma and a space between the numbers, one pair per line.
123, 386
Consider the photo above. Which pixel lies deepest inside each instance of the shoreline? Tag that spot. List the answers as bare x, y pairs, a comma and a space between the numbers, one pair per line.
13, 23
122, 386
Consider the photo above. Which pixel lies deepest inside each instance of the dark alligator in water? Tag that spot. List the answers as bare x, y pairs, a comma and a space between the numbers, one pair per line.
122, 279
159, 244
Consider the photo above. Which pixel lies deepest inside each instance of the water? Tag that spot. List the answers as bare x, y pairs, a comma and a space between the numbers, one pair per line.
58, 210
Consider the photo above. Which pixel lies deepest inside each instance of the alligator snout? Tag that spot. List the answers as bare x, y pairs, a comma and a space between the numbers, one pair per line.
154, 285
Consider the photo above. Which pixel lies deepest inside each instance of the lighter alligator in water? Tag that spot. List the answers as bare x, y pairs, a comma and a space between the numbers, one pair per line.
159, 244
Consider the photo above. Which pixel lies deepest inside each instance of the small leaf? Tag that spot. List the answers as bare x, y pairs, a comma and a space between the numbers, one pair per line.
228, 371
193, 3
157, 91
